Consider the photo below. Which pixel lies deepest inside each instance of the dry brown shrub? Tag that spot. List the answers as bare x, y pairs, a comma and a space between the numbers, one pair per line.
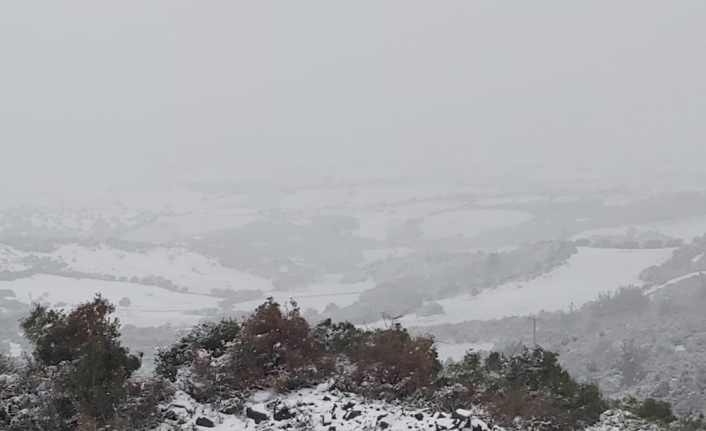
538, 411
395, 364
276, 348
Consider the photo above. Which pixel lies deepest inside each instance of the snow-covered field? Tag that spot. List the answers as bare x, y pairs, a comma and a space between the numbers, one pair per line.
150, 306
587, 274
470, 222
51, 223
178, 265
378, 223
317, 296
170, 228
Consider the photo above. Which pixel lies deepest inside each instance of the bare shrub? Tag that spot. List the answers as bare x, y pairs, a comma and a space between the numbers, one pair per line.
277, 348
395, 364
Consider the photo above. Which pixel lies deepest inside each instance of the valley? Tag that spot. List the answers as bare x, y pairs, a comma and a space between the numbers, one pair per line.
434, 258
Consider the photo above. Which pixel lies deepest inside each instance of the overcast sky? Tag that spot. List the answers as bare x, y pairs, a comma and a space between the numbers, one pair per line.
98, 90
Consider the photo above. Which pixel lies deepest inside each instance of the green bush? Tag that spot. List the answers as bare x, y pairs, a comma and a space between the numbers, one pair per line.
654, 410
210, 336
82, 351
527, 383
341, 338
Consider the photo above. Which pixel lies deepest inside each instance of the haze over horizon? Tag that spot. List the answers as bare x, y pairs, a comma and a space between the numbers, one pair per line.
114, 92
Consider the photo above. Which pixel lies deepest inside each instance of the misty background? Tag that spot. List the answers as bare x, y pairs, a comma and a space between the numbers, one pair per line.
469, 168
97, 93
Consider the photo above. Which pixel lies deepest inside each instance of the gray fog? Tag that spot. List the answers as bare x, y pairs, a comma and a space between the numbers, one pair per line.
495, 177
102, 92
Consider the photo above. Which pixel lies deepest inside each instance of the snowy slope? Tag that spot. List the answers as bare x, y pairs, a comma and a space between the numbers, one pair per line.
588, 273
328, 290
169, 228
150, 306
377, 223
181, 266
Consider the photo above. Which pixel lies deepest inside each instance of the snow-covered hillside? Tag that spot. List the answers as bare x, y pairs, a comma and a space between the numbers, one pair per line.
587, 274
178, 227
149, 305
179, 265
685, 229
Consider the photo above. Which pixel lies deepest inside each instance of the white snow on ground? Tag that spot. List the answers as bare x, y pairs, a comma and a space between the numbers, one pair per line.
685, 229
319, 410
178, 265
470, 222
15, 350
382, 254
586, 274
318, 295
150, 306
11, 259
170, 228
456, 351
378, 223
618, 420
490, 202
673, 281
81, 223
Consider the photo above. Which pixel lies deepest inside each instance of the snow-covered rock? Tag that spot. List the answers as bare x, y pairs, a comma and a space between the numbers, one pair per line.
619, 420
319, 409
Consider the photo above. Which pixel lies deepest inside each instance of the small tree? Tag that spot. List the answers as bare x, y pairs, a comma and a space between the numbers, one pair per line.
125, 302
630, 364
530, 384
83, 349
278, 345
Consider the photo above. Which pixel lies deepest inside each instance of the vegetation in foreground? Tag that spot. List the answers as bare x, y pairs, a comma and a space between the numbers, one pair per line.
80, 377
